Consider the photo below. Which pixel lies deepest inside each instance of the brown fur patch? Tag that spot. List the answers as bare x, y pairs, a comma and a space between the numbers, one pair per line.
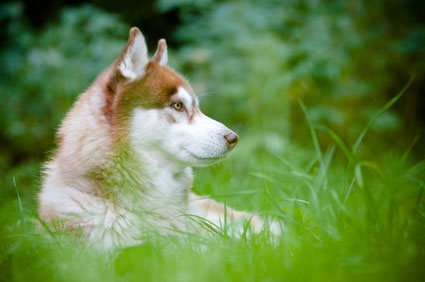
154, 90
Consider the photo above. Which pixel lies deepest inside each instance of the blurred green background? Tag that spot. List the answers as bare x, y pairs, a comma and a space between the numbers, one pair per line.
252, 59
251, 62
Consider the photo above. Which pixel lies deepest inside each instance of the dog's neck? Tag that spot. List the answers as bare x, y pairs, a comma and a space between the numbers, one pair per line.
165, 176
147, 177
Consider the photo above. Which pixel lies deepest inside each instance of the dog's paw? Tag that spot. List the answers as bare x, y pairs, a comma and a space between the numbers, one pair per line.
272, 226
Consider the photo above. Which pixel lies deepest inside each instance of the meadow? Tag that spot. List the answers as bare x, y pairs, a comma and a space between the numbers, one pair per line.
323, 145
343, 220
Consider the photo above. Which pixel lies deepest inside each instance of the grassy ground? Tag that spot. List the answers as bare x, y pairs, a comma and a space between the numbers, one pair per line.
348, 216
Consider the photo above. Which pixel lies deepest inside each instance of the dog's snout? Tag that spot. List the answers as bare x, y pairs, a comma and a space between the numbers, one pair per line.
231, 139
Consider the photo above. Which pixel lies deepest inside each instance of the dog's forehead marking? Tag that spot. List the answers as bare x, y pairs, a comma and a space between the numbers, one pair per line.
186, 98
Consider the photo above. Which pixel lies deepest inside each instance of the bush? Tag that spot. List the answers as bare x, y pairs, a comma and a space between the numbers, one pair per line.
43, 72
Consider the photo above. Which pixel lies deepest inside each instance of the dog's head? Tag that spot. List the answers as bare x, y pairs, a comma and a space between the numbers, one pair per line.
156, 109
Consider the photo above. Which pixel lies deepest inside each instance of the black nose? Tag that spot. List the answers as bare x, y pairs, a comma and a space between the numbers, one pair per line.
231, 139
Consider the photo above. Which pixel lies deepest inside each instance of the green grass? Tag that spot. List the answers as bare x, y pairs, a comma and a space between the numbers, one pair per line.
347, 217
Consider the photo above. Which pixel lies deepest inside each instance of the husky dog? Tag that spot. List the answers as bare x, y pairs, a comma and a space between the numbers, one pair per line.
125, 152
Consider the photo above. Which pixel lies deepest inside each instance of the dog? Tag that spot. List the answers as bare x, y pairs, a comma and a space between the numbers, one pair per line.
123, 167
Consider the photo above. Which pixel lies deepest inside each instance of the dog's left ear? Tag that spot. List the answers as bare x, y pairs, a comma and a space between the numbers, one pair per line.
134, 58
161, 54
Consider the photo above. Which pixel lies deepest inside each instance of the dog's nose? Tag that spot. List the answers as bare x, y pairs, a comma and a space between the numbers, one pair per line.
231, 139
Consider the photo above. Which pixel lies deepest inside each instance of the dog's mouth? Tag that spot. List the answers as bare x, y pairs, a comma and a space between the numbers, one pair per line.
206, 159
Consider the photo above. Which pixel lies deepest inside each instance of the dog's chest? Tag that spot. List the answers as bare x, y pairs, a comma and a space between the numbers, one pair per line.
157, 208
162, 201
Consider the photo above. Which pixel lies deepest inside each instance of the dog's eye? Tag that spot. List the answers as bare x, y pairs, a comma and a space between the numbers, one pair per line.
177, 106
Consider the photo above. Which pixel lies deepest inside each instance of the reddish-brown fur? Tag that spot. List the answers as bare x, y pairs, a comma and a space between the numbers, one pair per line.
154, 90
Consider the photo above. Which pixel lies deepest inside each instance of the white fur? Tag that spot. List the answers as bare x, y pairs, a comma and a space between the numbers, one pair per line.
185, 98
198, 142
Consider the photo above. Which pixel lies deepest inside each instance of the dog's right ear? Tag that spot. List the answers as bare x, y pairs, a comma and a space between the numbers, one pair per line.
134, 58
161, 54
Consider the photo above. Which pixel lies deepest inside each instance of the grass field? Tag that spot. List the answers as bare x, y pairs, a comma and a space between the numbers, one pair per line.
349, 214
350, 197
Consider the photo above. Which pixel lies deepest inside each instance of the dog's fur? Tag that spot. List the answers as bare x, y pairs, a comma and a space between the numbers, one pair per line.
125, 152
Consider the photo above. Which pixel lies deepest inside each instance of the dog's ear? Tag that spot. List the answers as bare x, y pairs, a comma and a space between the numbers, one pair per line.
161, 54
134, 58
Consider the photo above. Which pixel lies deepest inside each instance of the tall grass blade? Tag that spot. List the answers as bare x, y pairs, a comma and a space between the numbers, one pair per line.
341, 144
349, 190
409, 149
358, 175
374, 167
21, 209
207, 224
379, 113
293, 200
312, 132
322, 176
264, 177
233, 194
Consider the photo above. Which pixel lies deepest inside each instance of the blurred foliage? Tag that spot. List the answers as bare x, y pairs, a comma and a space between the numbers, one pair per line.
251, 59
259, 57
43, 72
